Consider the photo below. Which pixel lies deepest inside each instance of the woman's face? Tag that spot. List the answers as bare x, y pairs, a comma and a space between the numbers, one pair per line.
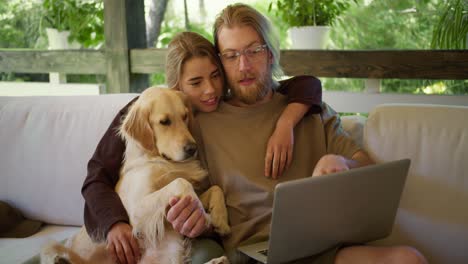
202, 82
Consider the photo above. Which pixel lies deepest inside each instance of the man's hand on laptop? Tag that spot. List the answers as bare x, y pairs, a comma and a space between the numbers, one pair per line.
330, 163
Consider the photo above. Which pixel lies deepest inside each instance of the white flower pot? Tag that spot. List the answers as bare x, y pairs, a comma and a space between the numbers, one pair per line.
309, 37
59, 40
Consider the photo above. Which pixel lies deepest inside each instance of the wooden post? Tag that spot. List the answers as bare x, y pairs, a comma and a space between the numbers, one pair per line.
124, 29
372, 85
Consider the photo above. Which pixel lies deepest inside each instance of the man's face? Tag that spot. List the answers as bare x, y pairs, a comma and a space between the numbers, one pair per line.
248, 75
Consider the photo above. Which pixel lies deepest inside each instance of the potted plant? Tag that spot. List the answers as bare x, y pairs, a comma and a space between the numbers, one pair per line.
309, 20
73, 23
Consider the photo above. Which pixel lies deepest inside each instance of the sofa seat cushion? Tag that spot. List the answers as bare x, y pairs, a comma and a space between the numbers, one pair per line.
433, 213
19, 250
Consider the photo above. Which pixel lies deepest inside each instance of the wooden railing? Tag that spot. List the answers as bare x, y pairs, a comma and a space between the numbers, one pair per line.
126, 64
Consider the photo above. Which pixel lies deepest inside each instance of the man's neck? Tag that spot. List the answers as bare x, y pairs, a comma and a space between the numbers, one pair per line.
236, 102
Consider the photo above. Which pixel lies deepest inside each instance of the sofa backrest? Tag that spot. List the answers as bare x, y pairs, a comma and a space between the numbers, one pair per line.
433, 213
45, 145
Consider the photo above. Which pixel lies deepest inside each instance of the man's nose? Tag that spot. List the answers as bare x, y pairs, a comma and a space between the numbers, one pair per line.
244, 63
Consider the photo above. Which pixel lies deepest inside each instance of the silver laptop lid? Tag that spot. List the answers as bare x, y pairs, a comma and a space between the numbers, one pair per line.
354, 206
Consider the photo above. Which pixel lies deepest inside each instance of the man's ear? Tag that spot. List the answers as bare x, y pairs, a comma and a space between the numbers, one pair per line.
136, 125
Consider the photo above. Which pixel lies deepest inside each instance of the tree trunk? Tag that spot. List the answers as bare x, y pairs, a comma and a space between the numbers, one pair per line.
187, 22
157, 9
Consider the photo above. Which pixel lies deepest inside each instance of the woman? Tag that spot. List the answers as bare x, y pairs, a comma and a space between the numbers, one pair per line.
194, 68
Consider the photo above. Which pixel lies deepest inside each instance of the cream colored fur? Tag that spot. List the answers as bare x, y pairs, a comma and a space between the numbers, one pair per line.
159, 164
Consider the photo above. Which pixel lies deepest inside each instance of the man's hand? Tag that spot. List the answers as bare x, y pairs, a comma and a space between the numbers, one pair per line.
334, 163
121, 244
330, 164
279, 151
187, 216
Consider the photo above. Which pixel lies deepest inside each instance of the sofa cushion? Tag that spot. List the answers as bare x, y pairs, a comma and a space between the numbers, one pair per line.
433, 213
46, 143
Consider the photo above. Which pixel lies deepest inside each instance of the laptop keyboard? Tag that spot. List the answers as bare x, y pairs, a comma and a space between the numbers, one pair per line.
264, 252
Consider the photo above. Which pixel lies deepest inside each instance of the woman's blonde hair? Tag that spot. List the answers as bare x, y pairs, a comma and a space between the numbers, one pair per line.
244, 15
183, 47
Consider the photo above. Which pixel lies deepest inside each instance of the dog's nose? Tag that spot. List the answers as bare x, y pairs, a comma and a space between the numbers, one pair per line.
190, 149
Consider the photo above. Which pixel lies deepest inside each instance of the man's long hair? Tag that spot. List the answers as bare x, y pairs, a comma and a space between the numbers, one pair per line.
244, 15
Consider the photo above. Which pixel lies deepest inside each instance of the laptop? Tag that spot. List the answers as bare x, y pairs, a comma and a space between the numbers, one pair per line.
313, 214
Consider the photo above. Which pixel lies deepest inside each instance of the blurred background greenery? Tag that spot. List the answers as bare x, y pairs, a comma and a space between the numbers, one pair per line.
367, 24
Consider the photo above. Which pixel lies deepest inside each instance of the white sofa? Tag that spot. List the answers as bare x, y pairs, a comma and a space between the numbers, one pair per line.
45, 144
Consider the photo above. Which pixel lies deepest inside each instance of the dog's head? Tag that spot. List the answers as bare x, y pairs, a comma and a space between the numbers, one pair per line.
158, 122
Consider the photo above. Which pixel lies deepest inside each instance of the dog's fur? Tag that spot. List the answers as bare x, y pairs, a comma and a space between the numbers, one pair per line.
159, 164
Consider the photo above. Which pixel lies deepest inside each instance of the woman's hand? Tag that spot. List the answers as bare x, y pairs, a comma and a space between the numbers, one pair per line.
121, 244
279, 150
187, 216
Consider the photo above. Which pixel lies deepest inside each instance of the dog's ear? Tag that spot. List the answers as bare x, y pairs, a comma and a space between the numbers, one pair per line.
187, 104
136, 125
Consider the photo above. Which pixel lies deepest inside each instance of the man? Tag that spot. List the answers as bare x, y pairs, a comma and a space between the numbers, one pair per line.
238, 131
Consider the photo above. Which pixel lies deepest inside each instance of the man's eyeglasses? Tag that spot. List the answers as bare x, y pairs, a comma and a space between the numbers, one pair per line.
252, 53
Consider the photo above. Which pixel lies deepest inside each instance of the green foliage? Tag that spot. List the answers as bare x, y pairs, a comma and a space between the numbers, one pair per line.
19, 24
279, 25
398, 24
452, 30
298, 13
84, 20
157, 78
173, 25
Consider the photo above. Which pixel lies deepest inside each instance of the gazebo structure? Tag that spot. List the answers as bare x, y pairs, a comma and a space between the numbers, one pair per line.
126, 61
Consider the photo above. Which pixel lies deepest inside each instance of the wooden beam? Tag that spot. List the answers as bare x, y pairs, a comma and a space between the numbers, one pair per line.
124, 29
148, 60
44, 61
363, 102
401, 64
136, 39
430, 64
115, 31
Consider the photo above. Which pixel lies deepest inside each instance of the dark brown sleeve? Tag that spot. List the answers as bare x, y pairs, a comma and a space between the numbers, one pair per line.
303, 89
103, 206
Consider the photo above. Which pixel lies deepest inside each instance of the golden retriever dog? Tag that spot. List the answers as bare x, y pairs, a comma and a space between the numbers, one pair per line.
160, 163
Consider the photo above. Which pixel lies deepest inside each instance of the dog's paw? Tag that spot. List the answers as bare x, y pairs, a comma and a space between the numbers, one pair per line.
223, 229
220, 260
220, 224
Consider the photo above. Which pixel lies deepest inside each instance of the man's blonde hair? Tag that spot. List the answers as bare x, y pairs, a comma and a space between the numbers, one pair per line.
183, 47
244, 15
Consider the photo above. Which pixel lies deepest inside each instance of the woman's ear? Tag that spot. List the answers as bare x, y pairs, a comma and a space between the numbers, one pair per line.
136, 125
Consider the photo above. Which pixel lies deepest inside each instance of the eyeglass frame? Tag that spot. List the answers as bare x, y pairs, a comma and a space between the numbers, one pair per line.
257, 50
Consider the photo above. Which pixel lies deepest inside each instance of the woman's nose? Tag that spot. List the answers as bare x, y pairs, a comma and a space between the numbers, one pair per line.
210, 88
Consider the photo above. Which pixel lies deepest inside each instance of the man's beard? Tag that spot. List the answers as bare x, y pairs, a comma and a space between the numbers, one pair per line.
253, 93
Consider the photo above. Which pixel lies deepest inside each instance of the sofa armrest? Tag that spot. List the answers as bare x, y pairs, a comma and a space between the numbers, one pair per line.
433, 215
